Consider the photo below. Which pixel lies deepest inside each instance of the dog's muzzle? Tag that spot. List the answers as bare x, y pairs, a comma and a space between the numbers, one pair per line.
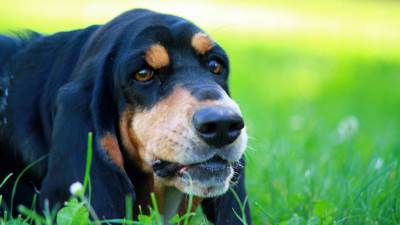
206, 146
217, 126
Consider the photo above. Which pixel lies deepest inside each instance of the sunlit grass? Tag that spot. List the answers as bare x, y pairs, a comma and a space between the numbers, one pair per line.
299, 167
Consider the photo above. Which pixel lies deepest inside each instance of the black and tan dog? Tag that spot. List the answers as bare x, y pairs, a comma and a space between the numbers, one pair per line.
152, 88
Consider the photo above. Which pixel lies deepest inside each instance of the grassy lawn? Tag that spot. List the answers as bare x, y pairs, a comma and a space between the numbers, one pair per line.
323, 114
324, 131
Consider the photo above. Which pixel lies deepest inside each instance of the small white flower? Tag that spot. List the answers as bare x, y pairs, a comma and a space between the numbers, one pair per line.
75, 188
296, 122
307, 173
378, 163
347, 127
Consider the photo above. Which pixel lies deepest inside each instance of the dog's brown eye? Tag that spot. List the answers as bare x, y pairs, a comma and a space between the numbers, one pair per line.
144, 75
215, 67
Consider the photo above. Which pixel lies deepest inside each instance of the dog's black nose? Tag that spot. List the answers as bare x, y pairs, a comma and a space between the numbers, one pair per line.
218, 126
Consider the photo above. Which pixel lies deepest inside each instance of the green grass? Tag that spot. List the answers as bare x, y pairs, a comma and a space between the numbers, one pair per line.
294, 97
323, 114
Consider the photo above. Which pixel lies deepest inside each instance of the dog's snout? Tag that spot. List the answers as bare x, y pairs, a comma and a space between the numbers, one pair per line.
206, 93
218, 126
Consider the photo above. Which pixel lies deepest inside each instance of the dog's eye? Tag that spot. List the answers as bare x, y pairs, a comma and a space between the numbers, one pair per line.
144, 75
215, 67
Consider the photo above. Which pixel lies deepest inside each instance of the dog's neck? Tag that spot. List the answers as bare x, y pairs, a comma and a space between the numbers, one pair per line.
169, 202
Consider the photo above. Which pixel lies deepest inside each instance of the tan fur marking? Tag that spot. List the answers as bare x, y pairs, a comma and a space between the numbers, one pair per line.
110, 144
129, 139
202, 43
157, 56
153, 127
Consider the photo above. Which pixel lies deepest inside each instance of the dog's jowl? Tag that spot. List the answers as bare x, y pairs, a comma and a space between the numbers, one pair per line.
153, 89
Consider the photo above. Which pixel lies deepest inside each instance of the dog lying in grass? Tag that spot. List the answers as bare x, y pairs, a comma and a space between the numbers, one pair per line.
153, 90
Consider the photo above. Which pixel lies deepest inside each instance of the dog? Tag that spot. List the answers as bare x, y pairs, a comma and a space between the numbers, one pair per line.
153, 90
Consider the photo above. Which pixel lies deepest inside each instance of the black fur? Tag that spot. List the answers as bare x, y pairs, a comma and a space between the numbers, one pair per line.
55, 89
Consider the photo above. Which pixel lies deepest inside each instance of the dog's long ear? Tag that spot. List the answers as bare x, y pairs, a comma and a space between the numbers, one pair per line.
87, 104
221, 210
72, 122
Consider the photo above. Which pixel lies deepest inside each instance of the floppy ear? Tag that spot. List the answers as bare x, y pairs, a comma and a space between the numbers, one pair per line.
221, 210
73, 120
87, 104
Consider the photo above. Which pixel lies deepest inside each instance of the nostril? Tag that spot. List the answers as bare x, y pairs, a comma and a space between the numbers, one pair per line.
208, 128
236, 125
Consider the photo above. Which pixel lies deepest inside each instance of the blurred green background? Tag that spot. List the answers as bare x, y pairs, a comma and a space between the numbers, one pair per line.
318, 83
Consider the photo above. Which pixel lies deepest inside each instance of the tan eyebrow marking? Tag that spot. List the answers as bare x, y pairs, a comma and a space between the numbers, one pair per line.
157, 56
202, 43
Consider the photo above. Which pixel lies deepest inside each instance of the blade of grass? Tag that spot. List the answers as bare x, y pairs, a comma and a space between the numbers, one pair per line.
47, 213
271, 218
119, 221
242, 208
5, 180
190, 202
128, 207
89, 157
20, 176
155, 206
33, 207
32, 215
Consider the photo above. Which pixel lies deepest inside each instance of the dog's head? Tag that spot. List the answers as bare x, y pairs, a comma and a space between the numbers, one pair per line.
176, 117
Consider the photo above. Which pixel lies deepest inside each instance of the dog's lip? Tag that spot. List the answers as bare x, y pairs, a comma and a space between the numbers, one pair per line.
163, 168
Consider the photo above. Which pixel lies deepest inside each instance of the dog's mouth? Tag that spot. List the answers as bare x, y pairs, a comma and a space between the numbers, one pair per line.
215, 165
209, 178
